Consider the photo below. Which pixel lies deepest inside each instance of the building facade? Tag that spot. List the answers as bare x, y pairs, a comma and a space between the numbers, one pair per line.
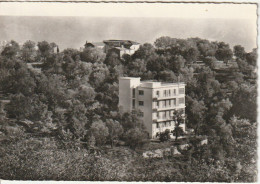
157, 102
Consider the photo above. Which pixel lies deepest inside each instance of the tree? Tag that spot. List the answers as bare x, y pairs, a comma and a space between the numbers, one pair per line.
53, 88
176, 63
100, 131
191, 55
224, 53
11, 49
251, 57
136, 68
71, 55
77, 121
131, 120
92, 55
245, 94
85, 94
145, 51
22, 107
154, 63
164, 136
53, 46
44, 49
239, 51
115, 130
206, 48
107, 94
164, 42
112, 59
98, 75
179, 120
135, 138
17, 78
167, 76
28, 51
195, 113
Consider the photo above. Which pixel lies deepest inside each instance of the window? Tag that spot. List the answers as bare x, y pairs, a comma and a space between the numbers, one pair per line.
158, 104
164, 115
169, 103
167, 114
133, 103
164, 92
141, 103
169, 92
174, 101
174, 91
162, 124
157, 125
181, 90
163, 103
141, 92
133, 92
158, 93
141, 114
181, 100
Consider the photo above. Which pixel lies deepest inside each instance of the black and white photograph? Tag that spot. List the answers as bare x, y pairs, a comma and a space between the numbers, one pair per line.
141, 91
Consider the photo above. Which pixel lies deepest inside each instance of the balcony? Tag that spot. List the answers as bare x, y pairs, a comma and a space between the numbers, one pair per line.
155, 109
161, 119
165, 108
155, 98
170, 96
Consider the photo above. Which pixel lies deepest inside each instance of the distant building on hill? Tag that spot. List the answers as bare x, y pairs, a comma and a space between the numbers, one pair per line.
121, 47
100, 45
157, 102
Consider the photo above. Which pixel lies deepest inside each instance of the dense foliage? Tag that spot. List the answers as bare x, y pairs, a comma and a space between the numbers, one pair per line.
63, 121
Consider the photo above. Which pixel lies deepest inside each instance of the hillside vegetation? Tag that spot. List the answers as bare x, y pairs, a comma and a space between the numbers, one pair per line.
59, 116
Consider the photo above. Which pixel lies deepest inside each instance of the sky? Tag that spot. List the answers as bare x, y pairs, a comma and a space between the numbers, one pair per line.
70, 25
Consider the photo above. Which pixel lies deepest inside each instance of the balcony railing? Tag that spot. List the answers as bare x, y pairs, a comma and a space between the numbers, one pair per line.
164, 108
160, 119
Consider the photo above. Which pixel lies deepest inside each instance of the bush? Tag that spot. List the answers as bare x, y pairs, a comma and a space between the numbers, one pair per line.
135, 138
164, 136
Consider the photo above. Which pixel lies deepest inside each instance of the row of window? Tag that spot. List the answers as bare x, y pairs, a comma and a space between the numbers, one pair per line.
167, 114
163, 103
166, 103
165, 124
170, 92
166, 93
169, 103
164, 114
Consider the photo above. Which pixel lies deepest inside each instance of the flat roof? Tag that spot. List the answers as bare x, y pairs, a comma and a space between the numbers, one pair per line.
153, 83
124, 41
159, 84
129, 78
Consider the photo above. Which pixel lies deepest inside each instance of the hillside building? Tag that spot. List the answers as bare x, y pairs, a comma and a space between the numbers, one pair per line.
156, 100
121, 47
99, 45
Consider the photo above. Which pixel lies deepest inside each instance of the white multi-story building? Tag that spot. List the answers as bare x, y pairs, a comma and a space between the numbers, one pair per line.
157, 102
